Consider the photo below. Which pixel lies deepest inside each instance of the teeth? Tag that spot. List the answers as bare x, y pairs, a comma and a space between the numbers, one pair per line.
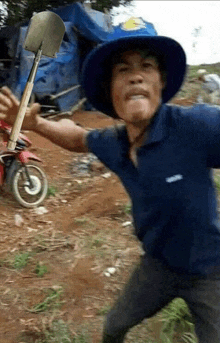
135, 97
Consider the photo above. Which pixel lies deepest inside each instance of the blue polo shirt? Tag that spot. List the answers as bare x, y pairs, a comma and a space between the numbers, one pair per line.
172, 191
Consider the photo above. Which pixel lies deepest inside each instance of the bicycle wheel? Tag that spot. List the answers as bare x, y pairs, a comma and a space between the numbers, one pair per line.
26, 195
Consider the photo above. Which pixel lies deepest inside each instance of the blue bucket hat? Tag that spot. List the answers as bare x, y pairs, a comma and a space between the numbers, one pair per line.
133, 34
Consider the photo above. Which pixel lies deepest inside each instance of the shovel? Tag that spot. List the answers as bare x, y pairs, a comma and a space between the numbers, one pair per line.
44, 37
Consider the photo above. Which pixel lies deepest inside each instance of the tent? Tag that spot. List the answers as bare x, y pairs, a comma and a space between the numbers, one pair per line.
57, 81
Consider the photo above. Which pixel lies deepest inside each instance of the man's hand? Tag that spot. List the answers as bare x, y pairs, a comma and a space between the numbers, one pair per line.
9, 106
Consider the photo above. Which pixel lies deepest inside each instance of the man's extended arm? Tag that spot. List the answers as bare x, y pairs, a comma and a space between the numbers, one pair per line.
64, 133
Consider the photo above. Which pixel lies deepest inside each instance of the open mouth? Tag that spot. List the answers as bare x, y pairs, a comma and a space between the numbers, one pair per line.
137, 95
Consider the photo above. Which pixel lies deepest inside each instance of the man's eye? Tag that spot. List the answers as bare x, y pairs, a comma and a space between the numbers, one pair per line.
122, 69
147, 65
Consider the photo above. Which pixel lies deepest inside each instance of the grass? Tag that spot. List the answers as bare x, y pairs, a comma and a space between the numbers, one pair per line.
177, 323
52, 190
127, 208
51, 301
82, 337
59, 332
21, 260
40, 269
217, 181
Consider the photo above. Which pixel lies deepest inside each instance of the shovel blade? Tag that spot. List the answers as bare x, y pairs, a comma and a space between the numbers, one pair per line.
46, 30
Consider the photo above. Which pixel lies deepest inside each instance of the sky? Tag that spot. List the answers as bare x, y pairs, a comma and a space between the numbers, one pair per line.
180, 20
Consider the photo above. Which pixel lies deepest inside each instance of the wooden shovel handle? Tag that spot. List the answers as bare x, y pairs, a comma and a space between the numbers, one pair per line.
20, 116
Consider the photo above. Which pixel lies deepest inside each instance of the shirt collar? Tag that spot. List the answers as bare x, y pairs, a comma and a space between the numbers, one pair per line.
156, 133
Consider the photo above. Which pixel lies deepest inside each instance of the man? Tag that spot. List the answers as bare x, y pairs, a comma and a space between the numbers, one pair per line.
211, 84
163, 155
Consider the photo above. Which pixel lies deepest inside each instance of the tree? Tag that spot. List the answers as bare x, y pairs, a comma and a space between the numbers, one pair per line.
22, 10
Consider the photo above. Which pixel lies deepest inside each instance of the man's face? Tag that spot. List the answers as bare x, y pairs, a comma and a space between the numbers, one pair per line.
136, 88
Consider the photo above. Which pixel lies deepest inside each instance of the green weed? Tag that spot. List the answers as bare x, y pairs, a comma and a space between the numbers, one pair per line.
21, 260
51, 302
82, 337
96, 241
127, 208
40, 269
59, 333
177, 322
96, 245
217, 182
52, 190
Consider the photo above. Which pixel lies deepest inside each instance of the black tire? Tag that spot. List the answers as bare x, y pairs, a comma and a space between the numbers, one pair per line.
26, 196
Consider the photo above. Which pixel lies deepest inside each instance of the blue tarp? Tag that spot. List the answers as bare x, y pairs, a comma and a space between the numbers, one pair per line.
84, 30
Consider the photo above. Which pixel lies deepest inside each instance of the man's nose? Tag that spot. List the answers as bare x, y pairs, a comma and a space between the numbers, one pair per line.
135, 78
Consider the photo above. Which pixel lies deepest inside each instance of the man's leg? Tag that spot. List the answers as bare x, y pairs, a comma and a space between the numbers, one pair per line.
149, 289
203, 298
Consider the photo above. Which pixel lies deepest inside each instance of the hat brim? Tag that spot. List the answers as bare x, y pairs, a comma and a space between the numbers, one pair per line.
96, 67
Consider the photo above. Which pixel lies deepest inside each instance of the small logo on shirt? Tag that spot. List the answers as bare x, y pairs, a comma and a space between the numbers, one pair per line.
174, 178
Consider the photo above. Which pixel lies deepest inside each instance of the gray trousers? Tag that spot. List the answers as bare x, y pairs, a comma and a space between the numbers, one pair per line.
151, 287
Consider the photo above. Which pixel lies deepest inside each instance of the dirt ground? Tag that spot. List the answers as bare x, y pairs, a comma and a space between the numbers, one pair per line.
86, 230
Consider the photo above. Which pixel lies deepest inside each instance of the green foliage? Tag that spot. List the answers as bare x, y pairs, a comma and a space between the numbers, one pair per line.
127, 208
82, 337
177, 322
40, 269
52, 190
21, 260
22, 10
217, 181
51, 302
59, 333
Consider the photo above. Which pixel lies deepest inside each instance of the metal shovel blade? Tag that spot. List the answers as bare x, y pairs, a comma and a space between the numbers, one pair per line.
45, 31
44, 37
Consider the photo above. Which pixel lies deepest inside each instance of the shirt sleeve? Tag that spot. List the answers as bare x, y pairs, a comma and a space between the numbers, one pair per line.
206, 126
105, 144
213, 138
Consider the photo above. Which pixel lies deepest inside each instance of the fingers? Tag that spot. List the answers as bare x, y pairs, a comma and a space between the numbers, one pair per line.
7, 98
3, 108
2, 117
35, 108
